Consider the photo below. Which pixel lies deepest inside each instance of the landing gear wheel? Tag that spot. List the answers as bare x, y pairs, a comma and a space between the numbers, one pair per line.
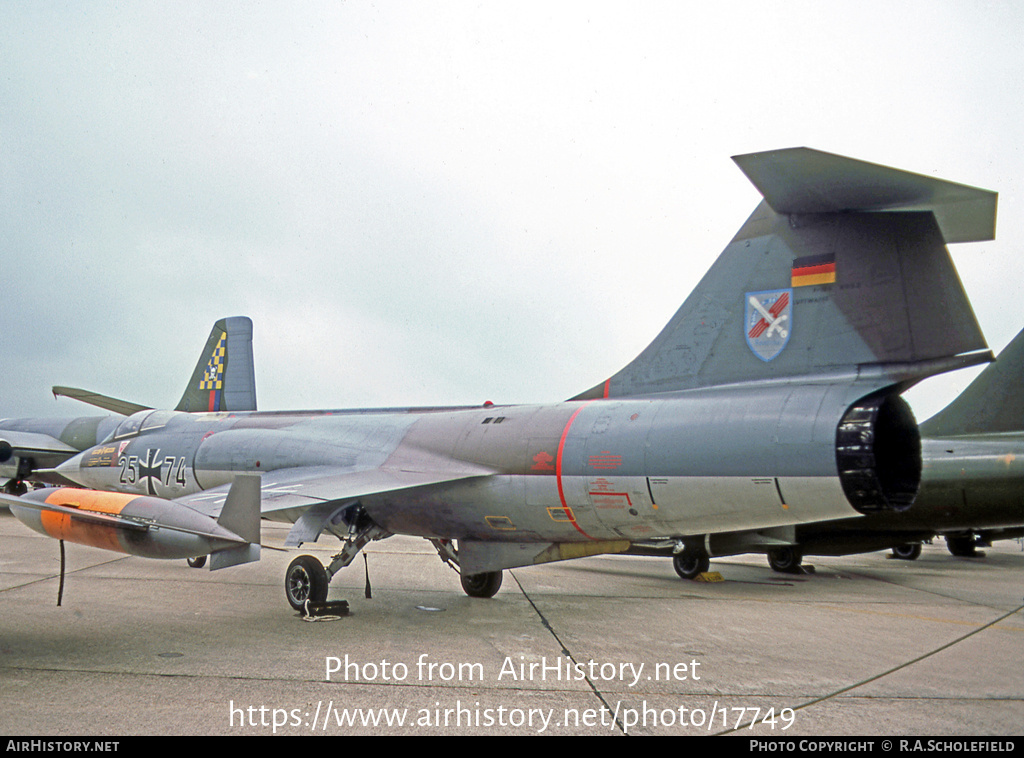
197, 562
908, 552
786, 560
962, 547
482, 585
305, 579
690, 565
16, 487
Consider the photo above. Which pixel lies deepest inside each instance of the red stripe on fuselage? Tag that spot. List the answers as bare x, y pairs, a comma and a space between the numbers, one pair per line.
558, 472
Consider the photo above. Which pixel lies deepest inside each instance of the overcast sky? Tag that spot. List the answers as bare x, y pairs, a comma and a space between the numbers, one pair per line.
446, 202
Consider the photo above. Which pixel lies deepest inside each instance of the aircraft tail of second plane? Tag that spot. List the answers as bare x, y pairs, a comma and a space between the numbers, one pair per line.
223, 379
991, 404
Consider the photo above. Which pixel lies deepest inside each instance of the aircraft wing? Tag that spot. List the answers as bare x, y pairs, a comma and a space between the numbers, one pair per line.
123, 407
312, 497
46, 450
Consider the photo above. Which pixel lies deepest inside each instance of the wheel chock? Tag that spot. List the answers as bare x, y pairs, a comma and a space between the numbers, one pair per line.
329, 611
709, 576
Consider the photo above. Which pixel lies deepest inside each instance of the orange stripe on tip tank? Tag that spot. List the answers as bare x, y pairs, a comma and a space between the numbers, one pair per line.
62, 527
91, 500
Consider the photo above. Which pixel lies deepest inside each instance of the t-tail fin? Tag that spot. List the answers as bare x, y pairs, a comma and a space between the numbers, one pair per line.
224, 378
842, 268
992, 403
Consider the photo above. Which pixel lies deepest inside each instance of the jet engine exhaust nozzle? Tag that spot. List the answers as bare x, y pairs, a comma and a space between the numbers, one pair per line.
878, 452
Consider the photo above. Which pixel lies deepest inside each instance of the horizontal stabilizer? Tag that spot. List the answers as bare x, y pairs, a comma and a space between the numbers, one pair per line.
801, 180
223, 379
123, 407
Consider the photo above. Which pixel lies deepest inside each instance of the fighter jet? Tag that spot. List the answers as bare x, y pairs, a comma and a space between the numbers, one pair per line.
972, 488
30, 448
771, 399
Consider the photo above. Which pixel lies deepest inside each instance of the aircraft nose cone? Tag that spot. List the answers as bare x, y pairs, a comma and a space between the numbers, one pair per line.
71, 469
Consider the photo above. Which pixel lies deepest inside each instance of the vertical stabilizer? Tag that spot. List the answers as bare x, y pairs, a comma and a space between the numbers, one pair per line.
842, 266
992, 403
224, 378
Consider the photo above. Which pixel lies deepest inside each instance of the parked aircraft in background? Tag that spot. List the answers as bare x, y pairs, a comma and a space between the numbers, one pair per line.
223, 380
972, 487
771, 399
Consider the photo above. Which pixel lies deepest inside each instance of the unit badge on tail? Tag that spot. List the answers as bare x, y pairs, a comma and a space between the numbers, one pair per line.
768, 322
213, 379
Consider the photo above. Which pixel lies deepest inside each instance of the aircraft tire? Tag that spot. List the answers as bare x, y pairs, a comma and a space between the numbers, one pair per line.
962, 547
486, 584
910, 551
198, 562
16, 487
305, 579
690, 565
786, 560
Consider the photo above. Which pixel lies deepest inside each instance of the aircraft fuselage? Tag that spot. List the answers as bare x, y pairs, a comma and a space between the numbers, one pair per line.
684, 464
972, 483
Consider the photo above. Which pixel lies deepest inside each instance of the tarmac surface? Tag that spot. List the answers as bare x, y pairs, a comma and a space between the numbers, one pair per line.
605, 645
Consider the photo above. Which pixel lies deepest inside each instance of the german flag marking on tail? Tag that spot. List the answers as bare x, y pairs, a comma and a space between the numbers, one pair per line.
814, 269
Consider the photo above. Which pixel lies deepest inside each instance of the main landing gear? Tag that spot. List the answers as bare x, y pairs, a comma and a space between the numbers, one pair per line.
964, 545
690, 564
910, 551
786, 560
307, 580
484, 585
